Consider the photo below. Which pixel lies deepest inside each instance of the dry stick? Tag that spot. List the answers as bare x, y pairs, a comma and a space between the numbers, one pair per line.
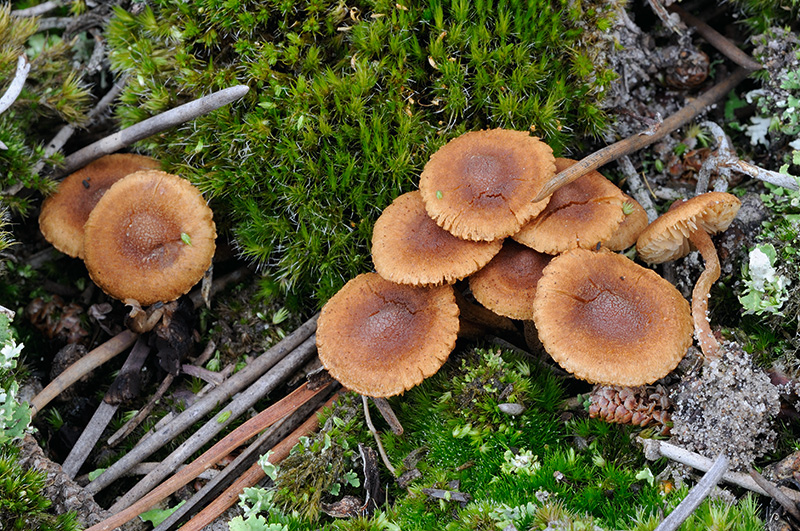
151, 126
221, 482
388, 414
717, 40
253, 475
696, 496
12, 92
282, 371
375, 434
202, 407
636, 186
773, 491
92, 432
655, 449
210, 457
137, 419
86, 364
637, 142
35, 11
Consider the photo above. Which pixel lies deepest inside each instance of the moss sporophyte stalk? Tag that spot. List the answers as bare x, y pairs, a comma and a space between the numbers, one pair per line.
346, 105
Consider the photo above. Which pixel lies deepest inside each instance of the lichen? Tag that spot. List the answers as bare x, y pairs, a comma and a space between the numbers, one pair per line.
727, 406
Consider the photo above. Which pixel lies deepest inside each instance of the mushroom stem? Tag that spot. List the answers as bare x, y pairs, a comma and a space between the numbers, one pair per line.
702, 327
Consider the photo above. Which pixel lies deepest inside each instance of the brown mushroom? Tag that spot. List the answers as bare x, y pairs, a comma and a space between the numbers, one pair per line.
379, 338
150, 238
632, 226
581, 214
479, 186
672, 236
610, 321
64, 214
408, 247
507, 285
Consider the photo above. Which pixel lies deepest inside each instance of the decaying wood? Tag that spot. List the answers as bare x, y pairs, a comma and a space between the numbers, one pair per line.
236, 383
221, 449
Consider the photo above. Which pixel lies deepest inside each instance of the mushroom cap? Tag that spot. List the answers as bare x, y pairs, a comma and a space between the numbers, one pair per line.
64, 213
150, 238
667, 238
408, 247
379, 338
631, 227
581, 214
507, 284
480, 185
610, 321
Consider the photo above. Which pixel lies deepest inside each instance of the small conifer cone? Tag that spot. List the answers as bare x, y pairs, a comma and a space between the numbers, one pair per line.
640, 406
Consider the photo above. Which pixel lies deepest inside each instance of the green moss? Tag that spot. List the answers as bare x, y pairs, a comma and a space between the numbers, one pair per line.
23, 505
53, 95
346, 105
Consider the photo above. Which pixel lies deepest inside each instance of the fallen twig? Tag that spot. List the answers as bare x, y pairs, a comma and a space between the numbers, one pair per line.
137, 419
636, 142
37, 10
151, 126
376, 435
654, 449
236, 383
248, 478
12, 92
775, 493
105, 411
637, 188
696, 496
86, 364
221, 449
388, 414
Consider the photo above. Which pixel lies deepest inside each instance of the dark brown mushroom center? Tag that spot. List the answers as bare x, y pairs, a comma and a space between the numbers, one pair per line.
151, 239
489, 174
612, 316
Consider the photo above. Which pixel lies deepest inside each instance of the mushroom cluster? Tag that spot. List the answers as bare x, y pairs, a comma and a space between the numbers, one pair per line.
598, 314
145, 235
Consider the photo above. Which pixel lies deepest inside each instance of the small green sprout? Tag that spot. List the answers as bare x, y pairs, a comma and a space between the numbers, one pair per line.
185, 238
439, 194
627, 208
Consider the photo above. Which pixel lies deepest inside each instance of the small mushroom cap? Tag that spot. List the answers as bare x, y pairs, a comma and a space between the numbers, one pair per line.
150, 238
631, 227
379, 338
408, 247
480, 185
64, 213
610, 321
581, 214
667, 238
507, 284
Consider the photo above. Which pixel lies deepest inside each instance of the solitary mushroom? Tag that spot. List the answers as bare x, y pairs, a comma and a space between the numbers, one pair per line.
507, 284
150, 238
64, 214
379, 338
480, 185
581, 214
672, 236
610, 321
408, 247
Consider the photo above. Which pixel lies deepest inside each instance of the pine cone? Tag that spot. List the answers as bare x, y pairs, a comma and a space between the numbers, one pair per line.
639, 406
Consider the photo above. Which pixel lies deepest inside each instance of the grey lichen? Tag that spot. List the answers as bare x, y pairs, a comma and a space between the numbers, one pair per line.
727, 406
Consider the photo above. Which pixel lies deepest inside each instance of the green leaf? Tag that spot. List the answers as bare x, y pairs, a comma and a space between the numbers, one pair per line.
185, 238
156, 516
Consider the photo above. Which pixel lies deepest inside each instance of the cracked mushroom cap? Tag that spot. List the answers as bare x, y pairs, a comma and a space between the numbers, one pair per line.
581, 214
150, 238
408, 247
667, 238
379, 338
65, 213
480, 185
507, 284
608, 320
